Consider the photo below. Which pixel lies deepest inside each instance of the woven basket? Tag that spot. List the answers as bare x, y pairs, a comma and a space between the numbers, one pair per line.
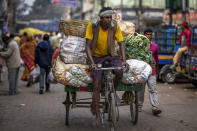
74, 27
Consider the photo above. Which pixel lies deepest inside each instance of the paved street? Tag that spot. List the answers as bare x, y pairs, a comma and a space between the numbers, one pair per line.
29, 111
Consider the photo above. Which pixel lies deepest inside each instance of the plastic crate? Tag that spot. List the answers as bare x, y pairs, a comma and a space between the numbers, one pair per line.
176, 47
171, 36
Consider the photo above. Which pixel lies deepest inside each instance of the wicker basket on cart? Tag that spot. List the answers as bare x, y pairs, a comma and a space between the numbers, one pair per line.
74, 27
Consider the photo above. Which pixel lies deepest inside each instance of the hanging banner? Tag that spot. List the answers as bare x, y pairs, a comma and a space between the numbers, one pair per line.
67, 3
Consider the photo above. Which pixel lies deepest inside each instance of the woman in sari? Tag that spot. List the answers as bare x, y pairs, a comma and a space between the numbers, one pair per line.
27, 51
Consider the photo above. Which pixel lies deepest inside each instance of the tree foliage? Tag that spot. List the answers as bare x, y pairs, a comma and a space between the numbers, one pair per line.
22, 9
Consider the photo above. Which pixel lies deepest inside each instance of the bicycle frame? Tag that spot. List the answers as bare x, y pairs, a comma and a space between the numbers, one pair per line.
108, 99
110, 95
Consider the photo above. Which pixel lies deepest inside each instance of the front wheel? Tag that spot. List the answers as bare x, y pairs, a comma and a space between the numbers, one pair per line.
169, 76
67, 105
112, 112
134, 108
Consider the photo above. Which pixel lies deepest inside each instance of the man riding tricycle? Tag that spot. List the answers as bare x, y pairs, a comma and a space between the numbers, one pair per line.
105, 63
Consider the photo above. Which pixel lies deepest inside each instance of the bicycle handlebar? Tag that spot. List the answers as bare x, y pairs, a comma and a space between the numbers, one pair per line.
109, 68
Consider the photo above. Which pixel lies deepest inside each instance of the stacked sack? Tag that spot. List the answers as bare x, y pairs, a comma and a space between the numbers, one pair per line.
71, 68
76, 75
126, 27
138, 57
139, 72
72, 50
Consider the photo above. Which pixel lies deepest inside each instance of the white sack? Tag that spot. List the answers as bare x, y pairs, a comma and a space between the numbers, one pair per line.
72, 50
139, 72
51, 78
34, 75
76, 75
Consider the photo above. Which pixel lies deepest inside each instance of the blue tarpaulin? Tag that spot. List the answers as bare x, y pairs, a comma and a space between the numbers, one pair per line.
68, 3
50, 26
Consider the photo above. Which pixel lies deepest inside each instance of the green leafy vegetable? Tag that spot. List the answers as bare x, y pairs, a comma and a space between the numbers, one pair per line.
137, 47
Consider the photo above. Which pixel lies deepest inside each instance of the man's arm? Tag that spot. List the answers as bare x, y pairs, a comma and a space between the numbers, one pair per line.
88, 50
122, 50
157, 58
8, 52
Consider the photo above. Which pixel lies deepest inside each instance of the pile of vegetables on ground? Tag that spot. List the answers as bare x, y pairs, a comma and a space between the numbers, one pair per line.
137, 47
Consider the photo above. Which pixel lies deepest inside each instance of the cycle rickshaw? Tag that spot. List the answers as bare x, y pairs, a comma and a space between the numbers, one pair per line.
108, 99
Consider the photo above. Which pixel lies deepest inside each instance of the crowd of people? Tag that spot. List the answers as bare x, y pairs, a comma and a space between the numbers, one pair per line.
30, 51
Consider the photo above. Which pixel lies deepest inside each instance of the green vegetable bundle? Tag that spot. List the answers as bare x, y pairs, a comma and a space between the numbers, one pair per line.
137, 47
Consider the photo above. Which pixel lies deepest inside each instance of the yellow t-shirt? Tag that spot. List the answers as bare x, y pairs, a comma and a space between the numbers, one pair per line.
101, 46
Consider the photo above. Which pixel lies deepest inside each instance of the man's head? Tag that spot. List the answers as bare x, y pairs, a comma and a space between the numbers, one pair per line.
106, 17
12, 36
148, 33
25, 34
46, 37
184, 26
6, 39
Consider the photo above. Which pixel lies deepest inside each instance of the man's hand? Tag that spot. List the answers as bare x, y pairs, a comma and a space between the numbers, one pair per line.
126, 66
93, 66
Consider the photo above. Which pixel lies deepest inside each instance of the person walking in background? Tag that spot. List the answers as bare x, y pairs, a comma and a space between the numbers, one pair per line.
17, 39
23, 38
38, 38
43, 58
55, 42
27, 51
152, 80
12, 57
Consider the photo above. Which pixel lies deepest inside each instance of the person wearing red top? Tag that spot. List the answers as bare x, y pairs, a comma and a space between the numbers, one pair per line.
55, 55
184, 40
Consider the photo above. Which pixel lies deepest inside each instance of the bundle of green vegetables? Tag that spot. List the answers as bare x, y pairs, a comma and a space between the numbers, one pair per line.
137, 47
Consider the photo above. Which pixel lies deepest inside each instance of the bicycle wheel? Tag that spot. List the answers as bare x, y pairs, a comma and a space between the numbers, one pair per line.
134, 108
67, 105
112, 112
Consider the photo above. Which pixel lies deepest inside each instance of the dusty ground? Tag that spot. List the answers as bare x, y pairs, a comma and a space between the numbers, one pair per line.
47, 113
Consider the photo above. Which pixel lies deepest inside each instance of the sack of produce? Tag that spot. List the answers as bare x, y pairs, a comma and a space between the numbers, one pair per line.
126, 27
73, 27
76, 75
72, 50
139, 72
137, 47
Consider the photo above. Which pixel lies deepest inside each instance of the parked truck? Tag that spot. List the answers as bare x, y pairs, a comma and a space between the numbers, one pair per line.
167, 40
